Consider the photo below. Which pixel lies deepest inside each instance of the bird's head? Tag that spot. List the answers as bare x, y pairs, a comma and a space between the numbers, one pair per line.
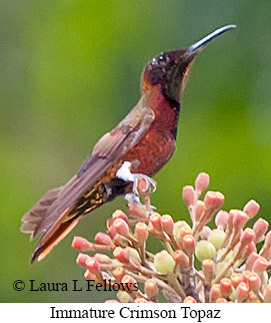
171, 69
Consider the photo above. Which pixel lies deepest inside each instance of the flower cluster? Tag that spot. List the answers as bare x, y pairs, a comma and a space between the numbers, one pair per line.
197, 263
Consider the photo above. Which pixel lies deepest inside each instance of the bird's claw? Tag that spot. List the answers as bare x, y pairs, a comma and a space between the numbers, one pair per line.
150, 184
139, 188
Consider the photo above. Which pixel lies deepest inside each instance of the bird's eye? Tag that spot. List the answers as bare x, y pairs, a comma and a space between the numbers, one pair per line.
162, 60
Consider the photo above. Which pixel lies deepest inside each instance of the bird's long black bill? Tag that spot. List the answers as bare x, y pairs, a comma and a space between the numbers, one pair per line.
199, 45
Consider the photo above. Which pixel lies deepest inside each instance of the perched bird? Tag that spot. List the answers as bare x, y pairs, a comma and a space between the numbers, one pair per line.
139, 146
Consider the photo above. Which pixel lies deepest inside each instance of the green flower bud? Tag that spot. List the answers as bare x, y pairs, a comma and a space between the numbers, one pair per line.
205, 250
123, 296
133, 253
163, 262
216, 237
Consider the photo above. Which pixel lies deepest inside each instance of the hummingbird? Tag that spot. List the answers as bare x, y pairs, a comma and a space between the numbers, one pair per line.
138, 147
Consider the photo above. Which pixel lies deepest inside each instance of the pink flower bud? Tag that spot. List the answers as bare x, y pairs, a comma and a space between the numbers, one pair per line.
105, 275
230, 220
260, 227
205, 232
236, 279
225, 286
254, 282
214, 293
111, 231
152, 231
239, 220
181, 258
138, 211
141, 232
118, 214
202, 182
178, 226
267, 241
267, 294
167, 224
267, 254
245, 276
188, 195
103, 238
242, 292
122, 227
183, 232
90, 276
251, 247
93, 266
213, 200
151, 288
199, 210
109, 222
208, 269
247, 236
189, 243
251, 259
121, 255
189, 299
251, 208
260, 265
82, 259
155, 220
221, 219
82, 244
118, 273
129, 281
102, 259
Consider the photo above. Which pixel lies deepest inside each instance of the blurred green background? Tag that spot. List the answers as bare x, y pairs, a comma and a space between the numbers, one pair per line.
70, 71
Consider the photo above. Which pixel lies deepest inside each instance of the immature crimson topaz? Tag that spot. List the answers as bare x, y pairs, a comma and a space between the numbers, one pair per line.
140, 145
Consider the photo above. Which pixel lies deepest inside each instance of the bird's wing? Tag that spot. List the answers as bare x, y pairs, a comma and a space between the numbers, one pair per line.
48, 213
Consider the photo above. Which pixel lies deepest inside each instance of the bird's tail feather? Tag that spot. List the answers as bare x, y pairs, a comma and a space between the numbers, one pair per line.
51, 238
36, 220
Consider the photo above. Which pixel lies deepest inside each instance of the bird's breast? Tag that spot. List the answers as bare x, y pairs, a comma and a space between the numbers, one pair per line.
151, 153
156, 147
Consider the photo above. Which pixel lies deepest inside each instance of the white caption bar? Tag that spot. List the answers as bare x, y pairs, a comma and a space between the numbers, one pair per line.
36, 312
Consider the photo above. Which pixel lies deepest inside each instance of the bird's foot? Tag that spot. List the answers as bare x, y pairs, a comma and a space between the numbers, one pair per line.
143, 185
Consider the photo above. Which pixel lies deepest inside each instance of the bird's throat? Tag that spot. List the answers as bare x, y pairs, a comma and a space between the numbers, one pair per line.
166, 112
